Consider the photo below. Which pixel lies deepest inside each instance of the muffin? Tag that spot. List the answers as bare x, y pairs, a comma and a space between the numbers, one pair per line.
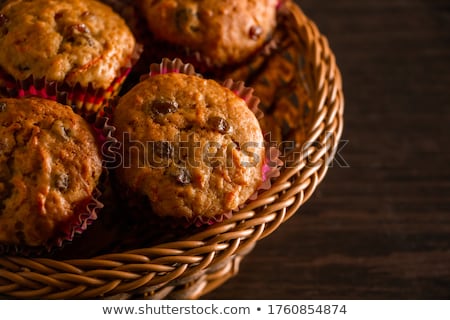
191, 148
77, 52
50, 167
285, 99
211, 34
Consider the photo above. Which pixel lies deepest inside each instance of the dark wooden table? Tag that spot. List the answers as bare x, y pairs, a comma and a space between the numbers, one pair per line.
379, 229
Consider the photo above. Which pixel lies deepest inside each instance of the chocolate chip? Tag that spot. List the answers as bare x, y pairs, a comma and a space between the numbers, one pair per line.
20, 235
61, 182
78, 34
195, 29
2, 106
23, 67
6, 190
219, 124
19, 225
79, 27
163, 107
3, 19
237, 145
58, 15
3, 27
70, 39
184, 17
163, 149
255, 32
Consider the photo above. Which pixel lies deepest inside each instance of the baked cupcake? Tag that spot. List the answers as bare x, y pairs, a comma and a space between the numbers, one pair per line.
210, 34
77, 52
50, 167
191, 148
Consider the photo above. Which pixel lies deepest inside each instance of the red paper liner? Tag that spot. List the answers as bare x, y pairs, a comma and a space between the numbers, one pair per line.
158, 49
85, 101
86, 214
104, 130
246, 94
171, 66
270, 169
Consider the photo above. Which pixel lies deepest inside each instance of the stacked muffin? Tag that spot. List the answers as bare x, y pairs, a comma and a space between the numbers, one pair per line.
50, 167
76, 52
211, 34
189, 149
60, 61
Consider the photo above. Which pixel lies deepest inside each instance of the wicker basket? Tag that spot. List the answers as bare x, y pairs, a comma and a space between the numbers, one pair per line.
191, 267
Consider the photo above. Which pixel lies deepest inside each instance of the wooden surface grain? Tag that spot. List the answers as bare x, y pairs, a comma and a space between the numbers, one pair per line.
379, 229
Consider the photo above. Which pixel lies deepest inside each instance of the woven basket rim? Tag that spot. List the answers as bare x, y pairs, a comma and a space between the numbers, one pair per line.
201, 262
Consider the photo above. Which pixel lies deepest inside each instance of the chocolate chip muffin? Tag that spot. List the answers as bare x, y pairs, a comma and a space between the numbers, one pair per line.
216, 33
50, 167
82, 45
191, 148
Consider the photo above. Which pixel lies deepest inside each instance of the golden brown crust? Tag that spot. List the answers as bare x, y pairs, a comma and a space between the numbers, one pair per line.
76, 41
223, 32
192, 147
49, 165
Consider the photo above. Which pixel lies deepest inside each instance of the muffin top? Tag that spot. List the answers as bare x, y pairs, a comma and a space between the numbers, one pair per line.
49, 166
76, 41
190, 146
223, 32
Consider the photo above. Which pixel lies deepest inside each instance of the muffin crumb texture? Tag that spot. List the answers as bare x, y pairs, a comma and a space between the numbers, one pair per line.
219, 33
49, 168
190, 146
78, 41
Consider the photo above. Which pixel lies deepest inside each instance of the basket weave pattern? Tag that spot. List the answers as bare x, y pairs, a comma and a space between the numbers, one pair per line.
192, 267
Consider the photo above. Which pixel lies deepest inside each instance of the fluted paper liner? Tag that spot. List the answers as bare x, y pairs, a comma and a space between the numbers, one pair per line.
86, 215
84, 100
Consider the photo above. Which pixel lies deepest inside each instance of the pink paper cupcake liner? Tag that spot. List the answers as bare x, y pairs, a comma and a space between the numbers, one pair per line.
85, 101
